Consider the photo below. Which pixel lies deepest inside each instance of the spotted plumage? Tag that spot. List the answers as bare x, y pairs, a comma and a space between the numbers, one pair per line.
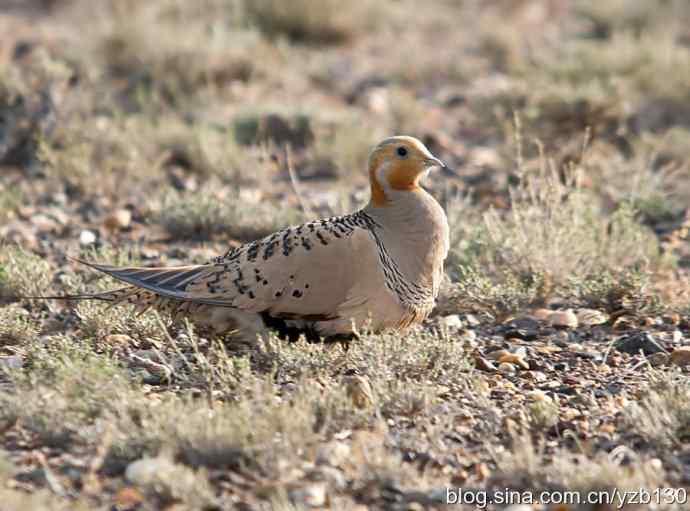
379, 266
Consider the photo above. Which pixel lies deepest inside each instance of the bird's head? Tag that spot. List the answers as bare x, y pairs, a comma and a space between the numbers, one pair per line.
396, 165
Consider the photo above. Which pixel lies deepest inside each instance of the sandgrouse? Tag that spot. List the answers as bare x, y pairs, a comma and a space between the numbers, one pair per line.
380, 266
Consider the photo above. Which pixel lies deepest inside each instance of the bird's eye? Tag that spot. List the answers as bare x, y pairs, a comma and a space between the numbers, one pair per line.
402, 151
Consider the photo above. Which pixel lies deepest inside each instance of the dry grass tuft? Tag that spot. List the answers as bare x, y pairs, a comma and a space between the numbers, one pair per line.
662, 416
67, 386
528, 466
554, 235
207, 214
326, 22
16, 327
22, 273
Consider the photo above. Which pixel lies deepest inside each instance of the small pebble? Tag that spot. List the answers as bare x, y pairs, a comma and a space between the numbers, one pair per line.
87, 238
520, 351
564, 319
118, 339
495, 355
512, 358
484, 365
313, 495
639, 341
542, 314
452, 322
506, 368
471, 320
148, 470
681, 356
119, 219
538, 395
591, 317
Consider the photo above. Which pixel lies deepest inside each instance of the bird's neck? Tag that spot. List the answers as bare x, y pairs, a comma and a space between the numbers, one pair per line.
414, 230
408, 209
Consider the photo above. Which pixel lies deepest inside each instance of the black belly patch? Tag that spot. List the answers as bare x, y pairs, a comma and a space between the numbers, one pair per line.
289, 333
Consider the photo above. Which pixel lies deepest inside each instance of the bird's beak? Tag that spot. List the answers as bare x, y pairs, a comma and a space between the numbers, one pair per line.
435, 162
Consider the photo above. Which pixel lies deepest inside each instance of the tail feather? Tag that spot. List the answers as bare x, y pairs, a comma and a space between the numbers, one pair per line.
142, 299
106, 296
165, 282
163, 289
149, 288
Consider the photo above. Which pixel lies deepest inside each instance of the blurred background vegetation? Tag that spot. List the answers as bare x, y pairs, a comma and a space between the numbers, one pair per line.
568, 121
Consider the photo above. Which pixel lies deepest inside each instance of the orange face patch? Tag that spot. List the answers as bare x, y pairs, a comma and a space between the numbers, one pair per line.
405, 174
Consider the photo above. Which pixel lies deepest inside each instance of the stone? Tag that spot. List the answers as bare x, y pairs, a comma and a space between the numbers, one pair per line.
564, 319
496, 354
638, 341
118, 339
472, 320
452, 322
523, 322
119, 219
512, 358
87, 238
538, 395
542, 314
313, 495
484, 365
591, 317
681, 356
524, 328
147, 471
506, 368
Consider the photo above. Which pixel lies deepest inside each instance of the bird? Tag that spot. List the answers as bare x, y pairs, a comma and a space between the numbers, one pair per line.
377, 268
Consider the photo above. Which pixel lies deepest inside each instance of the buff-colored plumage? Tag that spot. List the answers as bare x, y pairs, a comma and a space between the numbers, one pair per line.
381, 265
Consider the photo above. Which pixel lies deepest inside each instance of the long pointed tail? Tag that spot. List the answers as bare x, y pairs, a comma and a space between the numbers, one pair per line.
157, 288
141, 299
116, 295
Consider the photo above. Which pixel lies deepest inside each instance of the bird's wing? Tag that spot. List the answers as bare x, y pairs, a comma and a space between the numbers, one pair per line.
301, 272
